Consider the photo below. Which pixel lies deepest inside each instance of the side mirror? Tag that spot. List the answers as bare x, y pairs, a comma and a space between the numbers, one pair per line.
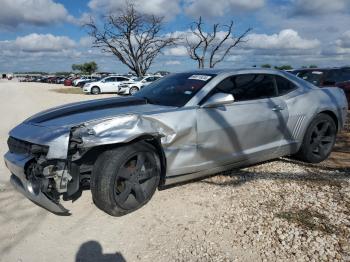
219, 99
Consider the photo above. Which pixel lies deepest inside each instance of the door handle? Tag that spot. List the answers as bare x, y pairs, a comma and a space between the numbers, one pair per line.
277, 108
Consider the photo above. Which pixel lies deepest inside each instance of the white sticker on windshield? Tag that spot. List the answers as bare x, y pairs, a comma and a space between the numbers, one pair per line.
188, 93
200, 77
317, 72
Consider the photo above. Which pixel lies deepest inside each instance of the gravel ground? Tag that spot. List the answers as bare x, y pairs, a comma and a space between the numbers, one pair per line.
281, 210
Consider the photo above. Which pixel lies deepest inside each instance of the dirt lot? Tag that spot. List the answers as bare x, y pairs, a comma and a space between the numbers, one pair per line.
281, 210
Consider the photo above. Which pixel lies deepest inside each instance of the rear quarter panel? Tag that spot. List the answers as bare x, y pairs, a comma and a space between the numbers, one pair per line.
304, 105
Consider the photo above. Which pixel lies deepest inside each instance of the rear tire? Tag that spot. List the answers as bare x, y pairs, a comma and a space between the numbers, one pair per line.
125, 178
95, 90
319, 140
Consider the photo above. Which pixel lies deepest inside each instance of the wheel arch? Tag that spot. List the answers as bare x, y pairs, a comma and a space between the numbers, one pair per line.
333, 116
138, 89
96, 86
91, 155
326, 112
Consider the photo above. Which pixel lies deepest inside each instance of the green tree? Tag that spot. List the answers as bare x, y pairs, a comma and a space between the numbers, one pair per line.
86, 68
313, 66
284, 67
266, 66
90, 67
76, 67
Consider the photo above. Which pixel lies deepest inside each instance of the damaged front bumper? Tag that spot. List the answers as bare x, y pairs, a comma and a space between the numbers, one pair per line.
31, 189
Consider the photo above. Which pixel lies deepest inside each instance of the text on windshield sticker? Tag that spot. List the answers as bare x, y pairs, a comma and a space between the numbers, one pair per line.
200, 77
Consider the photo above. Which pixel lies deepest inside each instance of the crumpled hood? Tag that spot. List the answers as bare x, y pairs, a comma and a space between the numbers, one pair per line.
77, 113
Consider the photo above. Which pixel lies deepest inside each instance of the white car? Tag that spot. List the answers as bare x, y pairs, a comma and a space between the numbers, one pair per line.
108, 84
130, 88
80, 81
76, 81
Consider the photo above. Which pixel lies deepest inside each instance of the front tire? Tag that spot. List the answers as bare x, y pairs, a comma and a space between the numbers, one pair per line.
319, 140
133, 90
95, 90
125, 178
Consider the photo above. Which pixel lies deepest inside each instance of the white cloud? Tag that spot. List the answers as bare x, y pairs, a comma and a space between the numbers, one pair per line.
176, 51
173, 62
43, 43
319, 7
344, 40
285, 40
339, 47
32, 12
208, 8
165, 8
86, 41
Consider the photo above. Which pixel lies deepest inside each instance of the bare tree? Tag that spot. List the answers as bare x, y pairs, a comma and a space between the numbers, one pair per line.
212, 45
134, 38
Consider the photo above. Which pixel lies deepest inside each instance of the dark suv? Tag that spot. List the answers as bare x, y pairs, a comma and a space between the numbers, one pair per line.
329, 77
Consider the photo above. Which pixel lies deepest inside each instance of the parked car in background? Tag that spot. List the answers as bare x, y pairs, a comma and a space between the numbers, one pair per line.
60, 80
346, 88
69, 81
79, 80
106, 85
126, 148
82, 82
327, 77
130, 88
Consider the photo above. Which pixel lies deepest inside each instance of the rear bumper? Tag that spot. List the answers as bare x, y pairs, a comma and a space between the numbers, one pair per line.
30, 189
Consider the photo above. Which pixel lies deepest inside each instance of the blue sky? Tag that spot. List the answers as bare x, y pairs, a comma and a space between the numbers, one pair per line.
46, 35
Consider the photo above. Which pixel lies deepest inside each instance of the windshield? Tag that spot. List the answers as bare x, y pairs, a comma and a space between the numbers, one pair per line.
175, 89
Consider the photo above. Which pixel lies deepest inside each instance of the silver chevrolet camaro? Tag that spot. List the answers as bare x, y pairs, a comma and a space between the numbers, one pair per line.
182, 127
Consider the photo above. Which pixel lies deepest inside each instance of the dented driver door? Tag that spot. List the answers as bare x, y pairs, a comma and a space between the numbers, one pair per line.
249, 130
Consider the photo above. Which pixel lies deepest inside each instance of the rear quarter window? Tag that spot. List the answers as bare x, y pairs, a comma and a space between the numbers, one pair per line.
284, 86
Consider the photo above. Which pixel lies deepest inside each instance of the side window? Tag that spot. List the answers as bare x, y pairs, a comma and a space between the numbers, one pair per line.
226, 86
109, 79
149, 79
284, 86
121, 79
254, 86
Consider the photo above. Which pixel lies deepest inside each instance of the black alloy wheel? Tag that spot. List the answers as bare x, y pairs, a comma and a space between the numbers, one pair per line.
125, 178
319, 139
135, 180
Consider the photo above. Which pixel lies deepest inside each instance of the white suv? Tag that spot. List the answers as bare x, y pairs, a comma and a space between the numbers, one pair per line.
132, 87
108, 84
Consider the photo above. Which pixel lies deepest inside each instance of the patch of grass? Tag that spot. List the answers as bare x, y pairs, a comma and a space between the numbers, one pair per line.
69, 90
311, 220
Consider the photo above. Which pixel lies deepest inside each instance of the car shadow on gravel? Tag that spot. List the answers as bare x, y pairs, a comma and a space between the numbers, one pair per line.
91, 251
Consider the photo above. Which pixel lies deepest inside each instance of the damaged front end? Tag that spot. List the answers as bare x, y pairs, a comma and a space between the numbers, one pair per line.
39, 179
59, 164
37, 173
